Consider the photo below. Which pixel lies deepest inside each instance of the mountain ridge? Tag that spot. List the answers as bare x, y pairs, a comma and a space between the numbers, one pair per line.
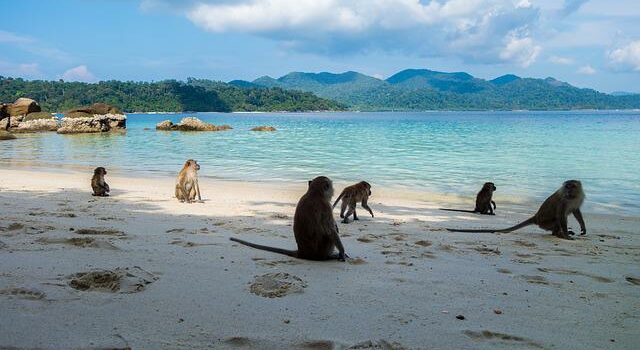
424, 89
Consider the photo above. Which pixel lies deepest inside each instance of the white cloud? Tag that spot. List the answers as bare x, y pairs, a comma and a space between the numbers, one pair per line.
471, 30
12, 38
79, 73
20, 70
33, 46
587, 70
626, 57
561, 60
522, 51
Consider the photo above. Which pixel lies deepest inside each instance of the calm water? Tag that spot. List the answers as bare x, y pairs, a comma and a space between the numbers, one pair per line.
525, 153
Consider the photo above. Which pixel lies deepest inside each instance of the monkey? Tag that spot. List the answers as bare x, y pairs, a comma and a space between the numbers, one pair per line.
484, 202
314, 228
187, 186
350, 196
100, 188
553, 213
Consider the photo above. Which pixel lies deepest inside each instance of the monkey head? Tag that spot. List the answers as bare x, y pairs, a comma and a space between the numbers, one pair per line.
489, 186
100, 171
192, 163
572, 189
322, 185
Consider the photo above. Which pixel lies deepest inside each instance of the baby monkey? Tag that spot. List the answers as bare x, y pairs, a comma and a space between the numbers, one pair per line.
100, 187
484, 201
350, 196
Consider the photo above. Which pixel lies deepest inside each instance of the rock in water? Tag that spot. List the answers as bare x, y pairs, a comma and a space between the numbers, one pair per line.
190, 124
264, 128
99, 117
5, 135
37, 121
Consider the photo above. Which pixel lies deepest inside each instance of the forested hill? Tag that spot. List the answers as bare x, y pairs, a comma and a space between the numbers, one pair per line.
166, 96
423, 89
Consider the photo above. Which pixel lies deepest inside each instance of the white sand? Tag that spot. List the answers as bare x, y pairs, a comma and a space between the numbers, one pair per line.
406, 283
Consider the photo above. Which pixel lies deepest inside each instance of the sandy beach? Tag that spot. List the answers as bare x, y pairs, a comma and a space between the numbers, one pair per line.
140, 270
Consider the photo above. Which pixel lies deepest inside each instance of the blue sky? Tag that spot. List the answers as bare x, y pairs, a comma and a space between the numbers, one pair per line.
587, 43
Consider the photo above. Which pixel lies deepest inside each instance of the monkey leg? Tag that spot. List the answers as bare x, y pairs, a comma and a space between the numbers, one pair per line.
355, 216
343, 208
352, 210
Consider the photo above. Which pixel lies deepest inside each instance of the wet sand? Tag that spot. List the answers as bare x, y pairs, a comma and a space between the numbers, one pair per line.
141, 270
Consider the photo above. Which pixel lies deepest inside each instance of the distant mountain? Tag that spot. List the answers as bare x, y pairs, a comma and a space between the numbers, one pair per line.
624, 93
423, 89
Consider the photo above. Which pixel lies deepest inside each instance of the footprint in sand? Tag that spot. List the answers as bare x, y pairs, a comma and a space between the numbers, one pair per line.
99, 231
23, 293
123, 280
2, 245
279, 216
82, 242
174, 230
356, 261
486, 250
367, 238
633, 280
271, 263
502, 337
188, 244
423, 243
501, 270
376, 345
574, 272
277, 285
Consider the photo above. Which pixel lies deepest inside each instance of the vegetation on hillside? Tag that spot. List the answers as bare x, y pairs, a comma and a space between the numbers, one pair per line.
166, 96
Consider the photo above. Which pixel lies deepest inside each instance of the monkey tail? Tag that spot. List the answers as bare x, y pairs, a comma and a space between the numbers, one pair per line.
338, 199
460, 210
291, 253
527, 222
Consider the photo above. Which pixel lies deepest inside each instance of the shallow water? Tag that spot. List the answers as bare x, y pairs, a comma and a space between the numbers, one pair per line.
525, 153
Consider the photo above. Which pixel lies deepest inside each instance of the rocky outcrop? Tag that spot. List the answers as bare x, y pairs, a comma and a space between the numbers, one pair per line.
98, 117
38, 121
264, 128
13, 113
23, 106
5, 135
190, 124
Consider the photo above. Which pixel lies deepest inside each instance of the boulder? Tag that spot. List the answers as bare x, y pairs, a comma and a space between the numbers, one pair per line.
38, 121
99, 117
165, 125
97, 108
264, 128
5, 135
22, 107
190, 124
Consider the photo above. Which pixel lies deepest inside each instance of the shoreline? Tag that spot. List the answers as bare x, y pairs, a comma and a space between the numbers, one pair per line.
407, 280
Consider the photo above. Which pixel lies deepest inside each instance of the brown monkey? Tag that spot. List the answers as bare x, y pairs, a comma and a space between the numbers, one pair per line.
553, 213
484, 201
350, 196
187, 186
100, 188
315, 230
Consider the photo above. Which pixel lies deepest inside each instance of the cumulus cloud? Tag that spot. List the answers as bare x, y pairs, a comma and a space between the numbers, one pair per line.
626, 57
79, 73
520, 50
587, 70
475, 30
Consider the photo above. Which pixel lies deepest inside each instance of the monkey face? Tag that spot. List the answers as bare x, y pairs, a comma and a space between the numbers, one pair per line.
196, 165
572, 188
489, 186
100, 171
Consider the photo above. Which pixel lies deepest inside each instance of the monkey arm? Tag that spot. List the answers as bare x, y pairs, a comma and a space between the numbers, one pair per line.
341, 254
366, 206
106, 187
494, 204
578, 215
198, 190
562, 220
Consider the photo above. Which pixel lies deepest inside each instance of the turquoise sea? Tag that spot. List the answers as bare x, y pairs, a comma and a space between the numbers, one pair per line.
525, 153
